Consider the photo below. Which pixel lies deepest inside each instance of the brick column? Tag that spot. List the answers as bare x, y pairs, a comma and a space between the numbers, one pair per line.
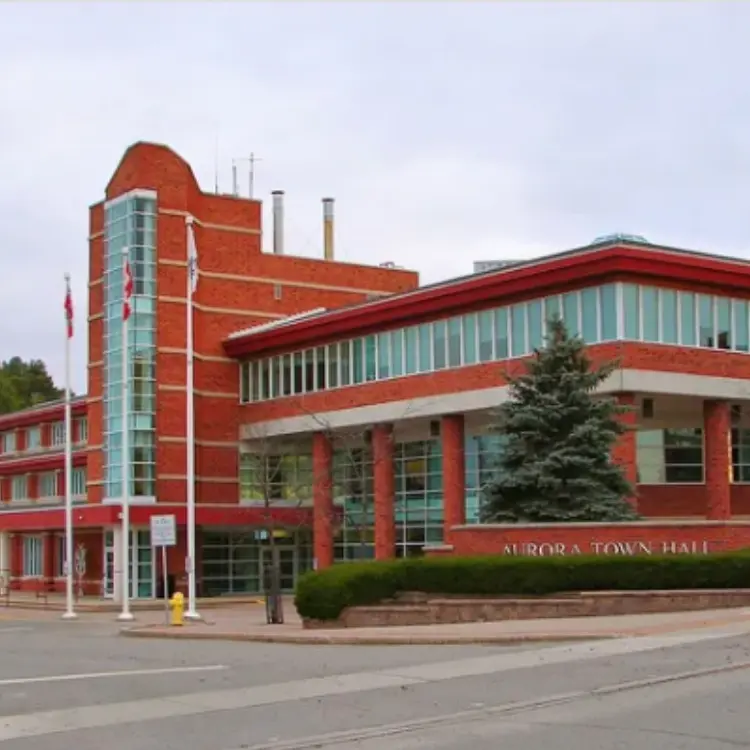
624, 450
717, 458
454, 473
382, 456
322, 460
48, 557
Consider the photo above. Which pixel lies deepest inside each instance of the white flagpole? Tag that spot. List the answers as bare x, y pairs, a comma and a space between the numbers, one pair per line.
125, 615
192, 267
69, 613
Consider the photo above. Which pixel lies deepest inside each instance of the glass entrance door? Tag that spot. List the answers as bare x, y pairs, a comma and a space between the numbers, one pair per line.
287, 557
142, 572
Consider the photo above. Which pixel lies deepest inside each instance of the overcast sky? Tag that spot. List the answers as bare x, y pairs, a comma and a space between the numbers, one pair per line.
448, 132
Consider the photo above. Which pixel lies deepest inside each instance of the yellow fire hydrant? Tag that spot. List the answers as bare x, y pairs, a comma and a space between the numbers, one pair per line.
177, 605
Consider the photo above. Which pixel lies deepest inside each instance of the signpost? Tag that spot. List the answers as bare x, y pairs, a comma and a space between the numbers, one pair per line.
163, 535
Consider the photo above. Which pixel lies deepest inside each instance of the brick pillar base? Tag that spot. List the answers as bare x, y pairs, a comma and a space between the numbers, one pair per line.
717, 432
624, 450
382, 457
323, 509
454, 473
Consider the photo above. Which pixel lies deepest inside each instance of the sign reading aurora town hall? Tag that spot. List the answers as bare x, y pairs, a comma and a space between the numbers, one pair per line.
547, 549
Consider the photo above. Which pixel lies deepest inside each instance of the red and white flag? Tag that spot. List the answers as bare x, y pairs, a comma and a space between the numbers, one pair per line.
127, 290
68, 307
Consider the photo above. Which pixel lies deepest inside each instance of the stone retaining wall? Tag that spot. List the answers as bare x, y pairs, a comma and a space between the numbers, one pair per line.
416, 609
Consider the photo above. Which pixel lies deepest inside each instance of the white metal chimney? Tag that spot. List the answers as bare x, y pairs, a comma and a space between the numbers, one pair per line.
278, 222
328, 228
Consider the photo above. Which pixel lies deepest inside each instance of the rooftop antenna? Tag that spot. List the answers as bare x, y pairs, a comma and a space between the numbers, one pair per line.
216, 163
252, 160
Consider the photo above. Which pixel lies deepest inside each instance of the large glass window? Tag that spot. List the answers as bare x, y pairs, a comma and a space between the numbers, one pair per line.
130, 222
418, 476
603, 313
47, 486
482, 456
670, 456
272, 478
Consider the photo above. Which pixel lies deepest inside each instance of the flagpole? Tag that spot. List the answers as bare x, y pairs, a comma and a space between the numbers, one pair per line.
191, 613
69, 613
125, 615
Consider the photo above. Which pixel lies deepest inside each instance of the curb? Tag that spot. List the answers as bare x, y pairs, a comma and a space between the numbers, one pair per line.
355, 640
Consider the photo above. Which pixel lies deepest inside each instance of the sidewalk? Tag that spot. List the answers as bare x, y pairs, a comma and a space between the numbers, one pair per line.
248, 624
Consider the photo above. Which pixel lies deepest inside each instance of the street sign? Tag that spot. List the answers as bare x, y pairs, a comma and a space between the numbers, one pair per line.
163, 531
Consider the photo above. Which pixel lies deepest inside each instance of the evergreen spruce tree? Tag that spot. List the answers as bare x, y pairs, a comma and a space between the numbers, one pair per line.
556, 464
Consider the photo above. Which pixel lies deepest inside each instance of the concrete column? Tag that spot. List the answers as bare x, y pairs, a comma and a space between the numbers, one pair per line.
717, 459
5, 556
118, 540
323, 510
382, 457
624, 450
454, 473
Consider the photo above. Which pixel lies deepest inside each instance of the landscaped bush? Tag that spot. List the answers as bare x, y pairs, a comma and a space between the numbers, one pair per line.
323, 595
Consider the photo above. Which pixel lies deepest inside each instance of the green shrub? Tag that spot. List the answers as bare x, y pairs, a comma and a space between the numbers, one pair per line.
323, 595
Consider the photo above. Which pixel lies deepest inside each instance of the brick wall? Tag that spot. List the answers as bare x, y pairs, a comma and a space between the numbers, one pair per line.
622, 538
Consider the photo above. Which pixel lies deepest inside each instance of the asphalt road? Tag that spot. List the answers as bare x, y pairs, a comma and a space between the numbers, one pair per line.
79, 685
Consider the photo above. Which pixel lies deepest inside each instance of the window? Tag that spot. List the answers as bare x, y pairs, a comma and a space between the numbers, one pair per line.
33, 438
32, 556
78, 482
58, 434
631, 311
276, 478
59, 556
501, 333
18, 488
724, 323
608, 308
650, 312
671, 456
688, 319
705, 320
83, 430
425, 348
570, 313
601, 313
469, 334
486, 350
669, 316
590, 315
397, 353
741, 337
439, 342
518, 330
9, 442
48, 484
454, 342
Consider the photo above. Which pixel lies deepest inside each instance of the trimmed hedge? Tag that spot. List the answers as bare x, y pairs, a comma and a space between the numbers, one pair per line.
323, 595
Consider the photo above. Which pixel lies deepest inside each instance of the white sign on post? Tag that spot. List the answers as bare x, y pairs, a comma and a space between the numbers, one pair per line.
163, 531
164, 534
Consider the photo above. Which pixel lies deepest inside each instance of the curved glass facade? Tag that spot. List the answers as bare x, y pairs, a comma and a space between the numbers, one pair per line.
130, 222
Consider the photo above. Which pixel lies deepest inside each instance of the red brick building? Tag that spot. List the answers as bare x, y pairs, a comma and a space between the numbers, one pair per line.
344, 411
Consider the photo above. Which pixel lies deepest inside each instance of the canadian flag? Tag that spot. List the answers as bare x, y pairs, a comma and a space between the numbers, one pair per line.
127, 290
69, 308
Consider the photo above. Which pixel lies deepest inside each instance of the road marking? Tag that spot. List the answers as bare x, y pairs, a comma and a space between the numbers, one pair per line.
105, 675
191, 704
14, 630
